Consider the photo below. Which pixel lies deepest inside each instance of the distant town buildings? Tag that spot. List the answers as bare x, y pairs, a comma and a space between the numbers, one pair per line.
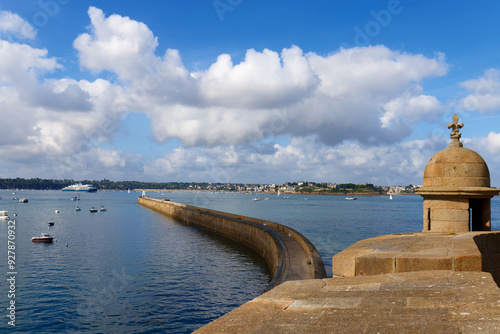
288, 187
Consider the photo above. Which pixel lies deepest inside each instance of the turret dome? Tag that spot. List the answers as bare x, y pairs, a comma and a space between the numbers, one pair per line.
456, 167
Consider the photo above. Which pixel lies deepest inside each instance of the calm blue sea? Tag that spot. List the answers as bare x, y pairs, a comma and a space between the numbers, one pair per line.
132, 270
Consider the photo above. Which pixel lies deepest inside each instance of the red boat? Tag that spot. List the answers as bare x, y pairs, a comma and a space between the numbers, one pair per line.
44, 237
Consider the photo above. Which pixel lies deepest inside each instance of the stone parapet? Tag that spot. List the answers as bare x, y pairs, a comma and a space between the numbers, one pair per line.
395, 253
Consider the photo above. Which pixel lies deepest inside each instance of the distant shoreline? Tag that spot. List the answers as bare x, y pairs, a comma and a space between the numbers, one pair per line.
274, 192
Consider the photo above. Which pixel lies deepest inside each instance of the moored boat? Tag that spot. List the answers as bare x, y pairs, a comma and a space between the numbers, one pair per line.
44, 237
92, 209
4, 215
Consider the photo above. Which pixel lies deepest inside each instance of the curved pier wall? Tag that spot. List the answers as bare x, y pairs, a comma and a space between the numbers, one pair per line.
257, 234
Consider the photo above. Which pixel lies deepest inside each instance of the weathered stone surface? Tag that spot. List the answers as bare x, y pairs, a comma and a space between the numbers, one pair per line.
448, 203
448, 214
419, 262
417, 302
375, 263
344, 264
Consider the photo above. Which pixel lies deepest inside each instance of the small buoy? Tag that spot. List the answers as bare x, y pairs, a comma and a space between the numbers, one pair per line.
66, 245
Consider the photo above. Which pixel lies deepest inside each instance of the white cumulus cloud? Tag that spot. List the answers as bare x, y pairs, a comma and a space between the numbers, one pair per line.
13, 25
484, 93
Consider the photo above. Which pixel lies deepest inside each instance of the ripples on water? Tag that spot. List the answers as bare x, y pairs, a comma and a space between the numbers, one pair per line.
126, 270
132, 270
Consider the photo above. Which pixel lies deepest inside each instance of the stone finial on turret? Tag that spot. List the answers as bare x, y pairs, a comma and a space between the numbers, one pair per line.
455, 132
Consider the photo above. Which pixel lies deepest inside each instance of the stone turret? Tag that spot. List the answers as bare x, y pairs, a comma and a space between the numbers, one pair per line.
456, 189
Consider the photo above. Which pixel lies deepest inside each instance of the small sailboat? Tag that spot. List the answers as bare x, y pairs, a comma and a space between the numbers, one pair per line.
102, 207
255, 199
76, 204
92, 209
390, 196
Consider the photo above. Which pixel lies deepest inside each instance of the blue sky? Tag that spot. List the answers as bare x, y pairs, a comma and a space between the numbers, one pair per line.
245, 91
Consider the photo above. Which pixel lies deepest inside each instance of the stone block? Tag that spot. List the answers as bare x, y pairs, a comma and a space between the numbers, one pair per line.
454, 170
470, 262
375, 263
473, 182
435, 170
419, 262
438, 214
447, 203
344, 263
478, 170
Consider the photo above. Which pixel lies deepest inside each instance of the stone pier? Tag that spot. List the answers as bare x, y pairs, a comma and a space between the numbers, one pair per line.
288, 254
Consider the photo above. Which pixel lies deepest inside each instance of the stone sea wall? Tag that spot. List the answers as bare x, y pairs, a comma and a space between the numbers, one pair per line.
272, 241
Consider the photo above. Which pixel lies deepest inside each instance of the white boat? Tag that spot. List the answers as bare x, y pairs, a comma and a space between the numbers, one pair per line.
92, 209
255, 199
351, 198
80, 187
129, 190
102, 206
390, 196
4, 215
23, 200
44, 237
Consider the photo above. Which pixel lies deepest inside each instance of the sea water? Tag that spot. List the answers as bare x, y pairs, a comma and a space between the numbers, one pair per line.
132, 270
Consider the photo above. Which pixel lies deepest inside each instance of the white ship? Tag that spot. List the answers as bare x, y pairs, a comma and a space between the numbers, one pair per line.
80, 187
